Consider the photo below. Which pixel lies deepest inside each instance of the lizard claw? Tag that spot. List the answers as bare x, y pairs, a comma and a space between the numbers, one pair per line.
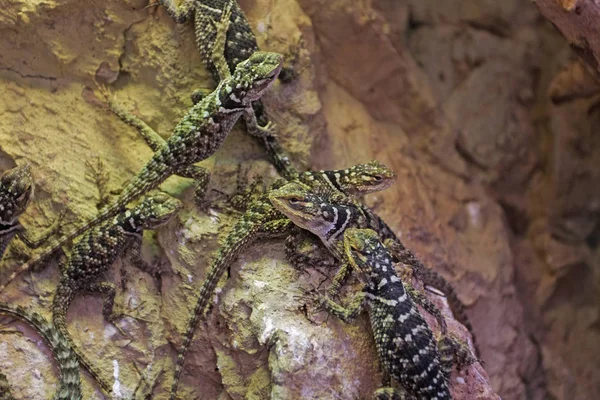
262, 131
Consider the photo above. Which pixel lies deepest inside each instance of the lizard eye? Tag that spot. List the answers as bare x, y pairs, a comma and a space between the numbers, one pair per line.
294, 200
378, 178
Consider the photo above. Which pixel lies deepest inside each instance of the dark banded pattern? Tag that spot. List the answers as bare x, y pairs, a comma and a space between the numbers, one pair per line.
196, 137
69, 387
95, 253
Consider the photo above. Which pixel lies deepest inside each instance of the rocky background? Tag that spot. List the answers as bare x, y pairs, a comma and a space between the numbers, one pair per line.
481, 107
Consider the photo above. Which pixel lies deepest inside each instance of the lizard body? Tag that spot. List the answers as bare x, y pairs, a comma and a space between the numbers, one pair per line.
5, 393
96, 252
262, 220
69, 387
405, 344
363, 217
327, 214
16, 191
239, 44
197, 136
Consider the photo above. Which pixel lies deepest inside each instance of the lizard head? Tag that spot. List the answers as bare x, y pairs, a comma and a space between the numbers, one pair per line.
156, 209
360, 246
16, 190
311, 210
364, 178
252, 77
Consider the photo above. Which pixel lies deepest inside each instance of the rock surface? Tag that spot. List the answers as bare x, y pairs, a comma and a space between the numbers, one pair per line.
475, 104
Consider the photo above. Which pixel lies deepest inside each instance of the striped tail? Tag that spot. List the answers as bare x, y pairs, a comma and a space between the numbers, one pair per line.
152, 175
59, 318
5, 393
242, 235
70, 383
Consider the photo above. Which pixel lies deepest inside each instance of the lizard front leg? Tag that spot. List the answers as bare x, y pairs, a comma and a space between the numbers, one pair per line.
303, 251
454, 351
390, 393
252, 126
348, 313
217, 55
135, 256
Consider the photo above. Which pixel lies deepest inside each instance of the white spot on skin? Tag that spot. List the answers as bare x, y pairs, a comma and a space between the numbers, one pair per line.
382, 283
190, 278
460, 380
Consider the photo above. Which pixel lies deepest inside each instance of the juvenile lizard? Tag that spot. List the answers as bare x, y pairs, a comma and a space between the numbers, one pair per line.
69, 387
96, 252
5, 393
328, 214
405, 344
401, 254
240, 43
197, 136
16, 191
261, 220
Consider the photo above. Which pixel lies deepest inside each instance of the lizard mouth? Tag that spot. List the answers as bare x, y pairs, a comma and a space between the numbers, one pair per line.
262, 85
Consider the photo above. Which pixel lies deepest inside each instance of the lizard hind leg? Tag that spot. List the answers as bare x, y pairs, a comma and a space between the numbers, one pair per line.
218, 49
60, 306
390, 393
454, 351
5, 393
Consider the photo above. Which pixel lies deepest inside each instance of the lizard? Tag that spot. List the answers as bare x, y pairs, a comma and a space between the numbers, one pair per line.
402, 255
16, 191
5, 393
262, 220
196, 137
405, 344
327, 214
240, 43
96, 252
69, 387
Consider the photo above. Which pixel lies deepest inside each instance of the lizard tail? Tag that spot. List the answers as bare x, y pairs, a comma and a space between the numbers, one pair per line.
242, 235
70, 383
152, 175
5, 393
59, 318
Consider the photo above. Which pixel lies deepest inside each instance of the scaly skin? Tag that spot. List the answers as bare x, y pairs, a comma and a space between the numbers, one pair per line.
262, 220
405, 344
5, 393
96, 252
327, 214
69, 387
366, 218
197, 136
16, 191
239, 44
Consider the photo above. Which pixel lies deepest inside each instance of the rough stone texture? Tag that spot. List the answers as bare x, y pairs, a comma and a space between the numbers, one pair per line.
577, 20
475, 104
